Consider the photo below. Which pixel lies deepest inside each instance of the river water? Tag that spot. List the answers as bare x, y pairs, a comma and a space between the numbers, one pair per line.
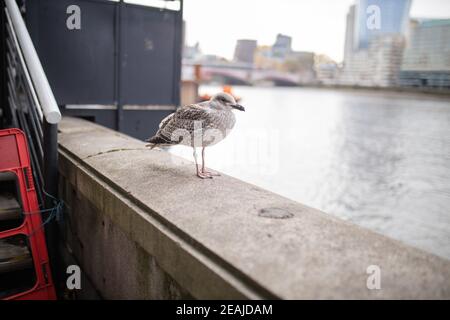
379, 160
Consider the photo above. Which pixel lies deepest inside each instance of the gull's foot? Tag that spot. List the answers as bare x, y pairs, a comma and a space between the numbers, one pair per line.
211, 173
202, 175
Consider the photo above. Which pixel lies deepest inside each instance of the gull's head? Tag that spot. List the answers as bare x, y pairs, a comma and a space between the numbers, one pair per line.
223, 100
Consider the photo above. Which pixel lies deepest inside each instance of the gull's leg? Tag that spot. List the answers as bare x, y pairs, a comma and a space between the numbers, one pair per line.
203, 166
199, 174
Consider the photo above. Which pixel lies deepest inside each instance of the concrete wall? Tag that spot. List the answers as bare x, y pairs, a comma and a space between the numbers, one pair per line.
141, 225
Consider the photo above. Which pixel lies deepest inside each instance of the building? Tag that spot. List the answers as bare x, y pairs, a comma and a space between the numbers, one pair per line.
192, 52
426, 59
301, 63
385, 56
264, 59
374, 42
282, 59
377, 66
245, 51
349, 33
274, 56
374, 18
326, 69
282, 46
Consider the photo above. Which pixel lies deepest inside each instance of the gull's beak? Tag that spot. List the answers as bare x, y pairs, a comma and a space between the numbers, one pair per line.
238, 107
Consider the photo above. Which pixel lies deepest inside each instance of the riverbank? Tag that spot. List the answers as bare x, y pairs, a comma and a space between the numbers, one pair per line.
442, 93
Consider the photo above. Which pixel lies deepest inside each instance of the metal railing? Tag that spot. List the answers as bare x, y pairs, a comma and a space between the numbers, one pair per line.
32, 103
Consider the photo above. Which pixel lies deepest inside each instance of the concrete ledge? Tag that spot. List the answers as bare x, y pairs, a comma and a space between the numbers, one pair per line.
219, 238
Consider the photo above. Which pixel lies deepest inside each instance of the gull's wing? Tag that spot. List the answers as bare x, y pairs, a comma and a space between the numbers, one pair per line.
189, 118
165, 121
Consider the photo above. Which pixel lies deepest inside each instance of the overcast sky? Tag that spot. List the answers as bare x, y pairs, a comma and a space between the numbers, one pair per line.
315, 25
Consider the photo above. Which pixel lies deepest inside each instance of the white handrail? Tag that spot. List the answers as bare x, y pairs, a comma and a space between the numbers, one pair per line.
25, 69
43, 90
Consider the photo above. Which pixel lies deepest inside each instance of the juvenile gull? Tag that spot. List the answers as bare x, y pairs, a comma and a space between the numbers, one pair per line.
198, 125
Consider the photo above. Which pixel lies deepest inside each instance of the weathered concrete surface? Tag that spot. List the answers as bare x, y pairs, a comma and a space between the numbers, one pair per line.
115, 266
218, 238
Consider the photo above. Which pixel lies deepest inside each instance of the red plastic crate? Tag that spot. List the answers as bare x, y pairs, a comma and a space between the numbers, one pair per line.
14, 157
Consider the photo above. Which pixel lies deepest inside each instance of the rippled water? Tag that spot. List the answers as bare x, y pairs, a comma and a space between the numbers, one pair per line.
380, 160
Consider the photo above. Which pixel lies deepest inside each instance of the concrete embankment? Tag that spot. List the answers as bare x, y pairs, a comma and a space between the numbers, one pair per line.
141, 225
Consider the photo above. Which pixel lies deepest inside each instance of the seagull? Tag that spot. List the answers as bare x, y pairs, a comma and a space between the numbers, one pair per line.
198, 125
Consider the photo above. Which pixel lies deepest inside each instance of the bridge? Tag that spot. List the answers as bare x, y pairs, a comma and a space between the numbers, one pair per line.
240, 73
141, 226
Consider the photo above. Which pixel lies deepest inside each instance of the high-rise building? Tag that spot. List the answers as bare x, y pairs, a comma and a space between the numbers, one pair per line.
374, 42
349, 33
378, 65
245, 51
426, 60
376, 18
282, 46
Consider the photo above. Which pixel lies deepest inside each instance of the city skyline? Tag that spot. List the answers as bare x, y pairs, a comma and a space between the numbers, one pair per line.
295, 19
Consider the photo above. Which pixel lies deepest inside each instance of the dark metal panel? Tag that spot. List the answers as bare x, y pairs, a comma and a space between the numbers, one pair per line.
142, 124
117, 68
79, 63
124, 54
105, 118
148, 55
178, 40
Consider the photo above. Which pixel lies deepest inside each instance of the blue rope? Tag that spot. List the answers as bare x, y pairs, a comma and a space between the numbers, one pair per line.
56, 212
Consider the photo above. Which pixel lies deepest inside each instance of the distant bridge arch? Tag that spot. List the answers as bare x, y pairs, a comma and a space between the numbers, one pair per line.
276, 77
232, 73
227, 76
